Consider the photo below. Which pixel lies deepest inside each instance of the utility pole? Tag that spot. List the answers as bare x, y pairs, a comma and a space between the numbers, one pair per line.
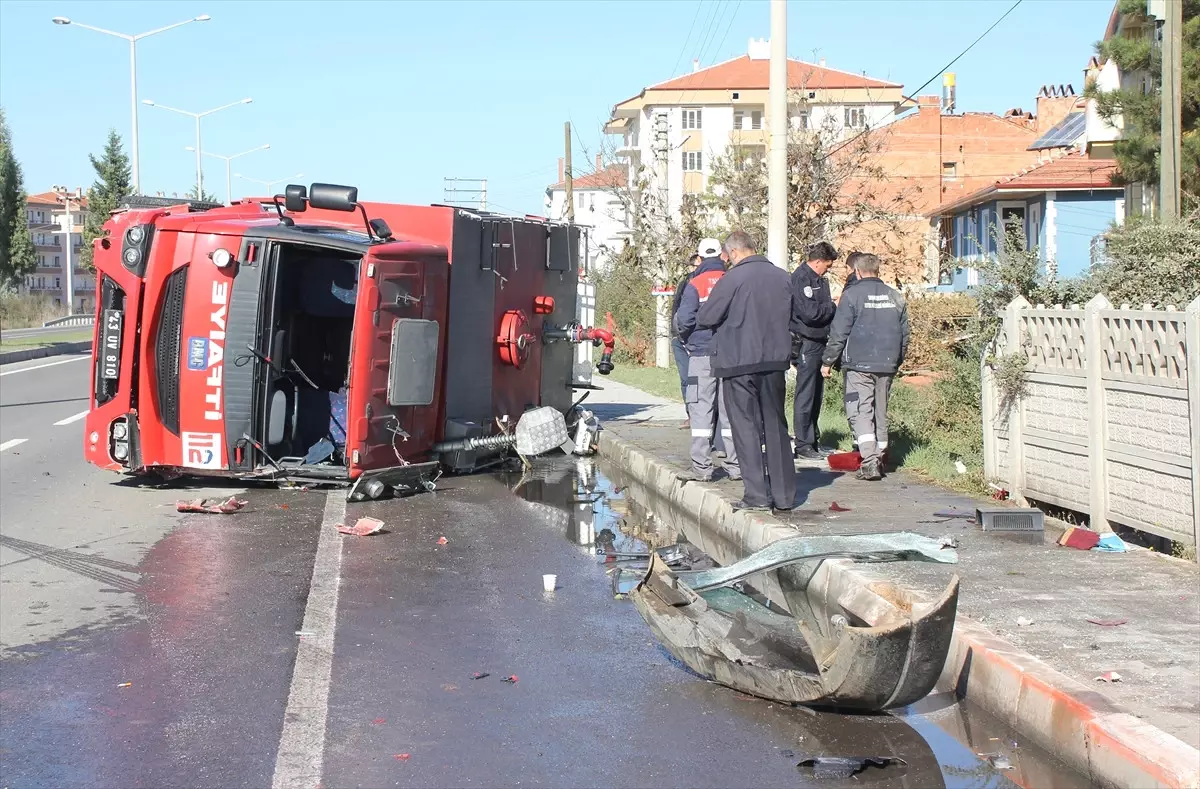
777, 250
570, 178
1171, 100
68, 227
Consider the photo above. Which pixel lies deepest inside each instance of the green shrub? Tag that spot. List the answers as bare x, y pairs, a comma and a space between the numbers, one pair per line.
625, 291
21, 311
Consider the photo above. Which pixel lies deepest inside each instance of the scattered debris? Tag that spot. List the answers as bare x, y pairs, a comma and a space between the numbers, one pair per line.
1111, 543
449, 687
402, 757
284, 506
949, 542
1024, 621
549, 582
997, 760
125, 685
211, 506
998, 493
1109, 676
442, 541
1108, 622
480, 675
846, 766
619, 596
511, 679
378, 721
955, 513
959, 467
303, 633
788, 754
1080, 539
364, 527
835, 507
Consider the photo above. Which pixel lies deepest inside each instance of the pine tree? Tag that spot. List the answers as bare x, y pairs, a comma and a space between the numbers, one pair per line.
17, 254
113, 184
1140, 143
204, 198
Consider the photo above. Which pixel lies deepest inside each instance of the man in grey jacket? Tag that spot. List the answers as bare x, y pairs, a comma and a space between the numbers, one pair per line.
870, 336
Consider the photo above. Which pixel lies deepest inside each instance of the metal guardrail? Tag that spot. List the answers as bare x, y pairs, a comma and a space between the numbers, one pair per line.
72, 320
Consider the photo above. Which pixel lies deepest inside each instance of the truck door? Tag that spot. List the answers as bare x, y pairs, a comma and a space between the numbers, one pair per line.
396, 357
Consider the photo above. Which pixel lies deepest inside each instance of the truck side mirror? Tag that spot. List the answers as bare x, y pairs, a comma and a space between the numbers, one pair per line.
333, 197
295, 198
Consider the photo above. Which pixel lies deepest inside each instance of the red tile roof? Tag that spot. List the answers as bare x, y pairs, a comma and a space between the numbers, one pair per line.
52, 198
1074, 171
746, 74
614, 176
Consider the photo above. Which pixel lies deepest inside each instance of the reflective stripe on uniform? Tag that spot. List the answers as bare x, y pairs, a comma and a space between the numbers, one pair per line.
701, 433
867, 439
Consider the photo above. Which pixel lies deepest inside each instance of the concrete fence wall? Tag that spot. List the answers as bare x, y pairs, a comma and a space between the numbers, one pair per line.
1109, 423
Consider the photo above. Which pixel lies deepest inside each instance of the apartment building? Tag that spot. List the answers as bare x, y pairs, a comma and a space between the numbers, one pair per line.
599, 208
46, 215
678, 128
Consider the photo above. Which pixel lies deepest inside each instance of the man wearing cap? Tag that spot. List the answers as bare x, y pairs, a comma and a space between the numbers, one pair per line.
680, 353
704, 395
812, 312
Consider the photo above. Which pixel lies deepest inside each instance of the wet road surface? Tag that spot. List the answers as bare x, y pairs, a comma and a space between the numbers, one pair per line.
160, 650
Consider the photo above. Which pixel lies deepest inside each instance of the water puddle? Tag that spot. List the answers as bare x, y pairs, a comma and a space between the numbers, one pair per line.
937, 741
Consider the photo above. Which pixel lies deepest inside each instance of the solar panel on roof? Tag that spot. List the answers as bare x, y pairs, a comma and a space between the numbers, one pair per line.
1063, 134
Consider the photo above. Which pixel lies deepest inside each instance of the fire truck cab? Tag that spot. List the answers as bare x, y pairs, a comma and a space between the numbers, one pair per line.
312, 337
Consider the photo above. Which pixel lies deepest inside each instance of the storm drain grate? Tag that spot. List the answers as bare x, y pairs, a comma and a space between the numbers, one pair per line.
1010, 519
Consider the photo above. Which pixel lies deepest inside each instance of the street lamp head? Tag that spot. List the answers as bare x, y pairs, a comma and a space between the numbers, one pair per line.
265, 147
189, 148
148, 102
61, 20
202, 18
247, 101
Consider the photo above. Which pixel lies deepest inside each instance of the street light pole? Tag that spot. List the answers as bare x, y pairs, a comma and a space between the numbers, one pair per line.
228, 159
269, 184
136, 169
197, 116
66, 229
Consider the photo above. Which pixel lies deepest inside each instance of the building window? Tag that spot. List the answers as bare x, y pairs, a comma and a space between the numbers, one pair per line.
58, 261
692, 162
800, 120
856, 117
691, 118
949, 169
57, 283
591, 202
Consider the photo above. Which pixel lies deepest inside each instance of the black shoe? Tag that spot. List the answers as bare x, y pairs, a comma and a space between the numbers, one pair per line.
825, 452
869, 471
781, 509
742, 506
808, 453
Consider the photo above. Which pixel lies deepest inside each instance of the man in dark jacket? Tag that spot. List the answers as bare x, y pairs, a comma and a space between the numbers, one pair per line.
812, 312
870, 336
705, 397
677, 349
750, 309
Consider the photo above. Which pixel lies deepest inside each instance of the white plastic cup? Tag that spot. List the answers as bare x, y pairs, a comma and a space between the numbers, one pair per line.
549, 582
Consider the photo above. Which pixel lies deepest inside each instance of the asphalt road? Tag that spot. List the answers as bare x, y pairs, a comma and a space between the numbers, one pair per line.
144, 648
45, 333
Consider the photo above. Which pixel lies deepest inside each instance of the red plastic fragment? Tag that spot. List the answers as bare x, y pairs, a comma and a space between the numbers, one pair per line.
364, 527
211, 506
378, 721
402, 757
835, 507
442, 541
512, 680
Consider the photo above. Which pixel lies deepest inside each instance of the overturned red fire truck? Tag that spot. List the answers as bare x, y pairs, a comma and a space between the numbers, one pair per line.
312, 337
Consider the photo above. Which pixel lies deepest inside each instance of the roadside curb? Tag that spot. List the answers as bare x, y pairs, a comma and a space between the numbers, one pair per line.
1110, 746
58, 349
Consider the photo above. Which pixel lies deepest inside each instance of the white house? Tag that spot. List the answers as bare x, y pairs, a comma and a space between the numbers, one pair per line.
599, 208
680, 126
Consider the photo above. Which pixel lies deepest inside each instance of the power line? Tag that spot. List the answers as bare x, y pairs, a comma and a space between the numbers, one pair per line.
943, 70
695, 16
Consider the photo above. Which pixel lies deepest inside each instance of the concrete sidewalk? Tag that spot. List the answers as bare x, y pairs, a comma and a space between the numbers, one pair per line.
1037, 597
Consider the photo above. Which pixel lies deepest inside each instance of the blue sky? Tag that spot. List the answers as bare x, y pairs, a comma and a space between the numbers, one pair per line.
394, 96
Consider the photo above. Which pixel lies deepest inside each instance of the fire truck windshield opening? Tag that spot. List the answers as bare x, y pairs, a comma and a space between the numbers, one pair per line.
311, 309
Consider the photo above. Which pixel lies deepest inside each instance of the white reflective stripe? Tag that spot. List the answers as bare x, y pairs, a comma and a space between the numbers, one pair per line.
703, 299
883, 445
701, 433
867, 439
727, 433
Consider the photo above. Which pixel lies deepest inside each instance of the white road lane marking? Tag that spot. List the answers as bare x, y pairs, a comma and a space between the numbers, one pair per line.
12, 442
71, 419
300, 759
47, 364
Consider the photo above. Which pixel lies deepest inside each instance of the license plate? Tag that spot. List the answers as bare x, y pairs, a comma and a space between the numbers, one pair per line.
110, 345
